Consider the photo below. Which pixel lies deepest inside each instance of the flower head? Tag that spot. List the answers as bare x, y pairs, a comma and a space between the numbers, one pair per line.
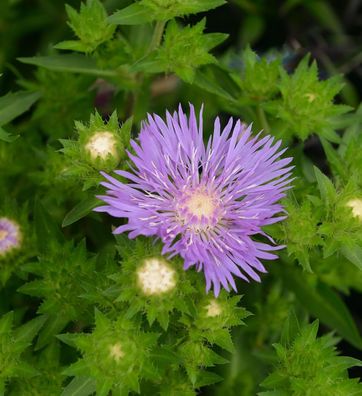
156, 277
102, 144
356, 206
10, 236
204, 202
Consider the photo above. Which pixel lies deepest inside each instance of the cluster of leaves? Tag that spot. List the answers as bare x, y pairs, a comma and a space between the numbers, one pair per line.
88, 315
297, 104
308, 365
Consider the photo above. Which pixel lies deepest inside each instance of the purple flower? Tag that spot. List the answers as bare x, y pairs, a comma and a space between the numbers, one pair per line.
10, 236
204, 202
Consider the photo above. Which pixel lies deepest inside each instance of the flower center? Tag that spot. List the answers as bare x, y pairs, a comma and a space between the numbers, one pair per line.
116, 352
156, 277
3, 234
101, 144
198, 209
10, 236
213, 309
356, 206
201, 204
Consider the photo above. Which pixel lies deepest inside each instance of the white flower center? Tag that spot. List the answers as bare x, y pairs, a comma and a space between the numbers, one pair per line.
156, 277
356, 205
213, 309
116, 352
201, 204
101, 144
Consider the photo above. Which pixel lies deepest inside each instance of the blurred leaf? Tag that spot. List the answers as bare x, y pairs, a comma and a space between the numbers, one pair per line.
53, 326
323, 303
14, 104
7, 137
26, 332
325, 186
332, 156
207, 378
80, 210
80, 386
134, 14
71, 63
47, 230
72, 45
353, 254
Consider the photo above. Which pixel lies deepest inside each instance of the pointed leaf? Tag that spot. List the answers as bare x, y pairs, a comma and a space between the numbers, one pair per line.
52, 327
14, 104
80, 386
134, 14
71, 63
323, 303
26, 332
80, 210
353, 254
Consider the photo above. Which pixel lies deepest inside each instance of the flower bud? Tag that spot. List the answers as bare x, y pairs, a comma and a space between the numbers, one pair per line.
156, 276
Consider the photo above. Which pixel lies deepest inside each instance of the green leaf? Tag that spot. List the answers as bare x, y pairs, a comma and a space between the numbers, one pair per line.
332, 156
53, 326
325, 186
80, 386
14, 104
209, 83
71, 63
46, 229
290, 328
6, 322
353, 254
80, 210
6, 137
134, 14
68, 338
323, 303
207, 378
26, 332
72, 45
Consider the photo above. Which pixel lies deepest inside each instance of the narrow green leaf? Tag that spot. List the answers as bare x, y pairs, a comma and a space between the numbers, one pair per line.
134, 14
353, 254
323, 303
333, 157
72, 45
14, 104
46, 229
71, 63
207, 378
53, 327
26, 332
325, 186
80, 386
7, 137
210, 84
6, 322
290, 329
80, 210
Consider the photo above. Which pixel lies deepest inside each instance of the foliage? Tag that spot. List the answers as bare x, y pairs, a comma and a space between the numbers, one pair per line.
83, 312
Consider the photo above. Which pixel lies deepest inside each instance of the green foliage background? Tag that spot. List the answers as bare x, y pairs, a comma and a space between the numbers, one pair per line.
73, 317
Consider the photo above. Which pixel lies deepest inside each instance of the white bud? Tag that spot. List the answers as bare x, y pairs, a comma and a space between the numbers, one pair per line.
155, 276
213, 309
356, 205
101, 144
116, 352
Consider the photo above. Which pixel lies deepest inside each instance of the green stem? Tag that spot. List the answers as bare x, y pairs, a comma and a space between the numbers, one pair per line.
262, 119
157, 35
